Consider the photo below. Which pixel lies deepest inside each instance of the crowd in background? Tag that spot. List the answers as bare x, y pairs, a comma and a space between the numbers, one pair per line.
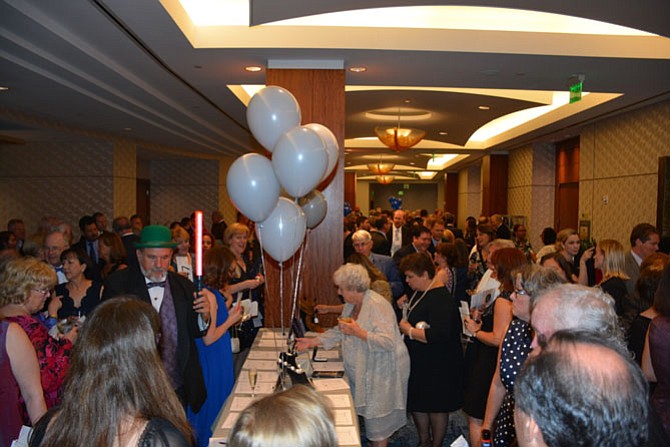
410, 344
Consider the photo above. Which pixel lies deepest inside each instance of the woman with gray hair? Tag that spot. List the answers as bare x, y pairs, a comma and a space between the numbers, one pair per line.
375, 357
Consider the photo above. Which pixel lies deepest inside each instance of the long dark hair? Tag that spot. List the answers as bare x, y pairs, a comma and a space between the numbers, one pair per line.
217, 263
115, 374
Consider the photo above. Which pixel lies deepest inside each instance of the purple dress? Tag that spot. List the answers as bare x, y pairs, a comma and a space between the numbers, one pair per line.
11, 418
659, 348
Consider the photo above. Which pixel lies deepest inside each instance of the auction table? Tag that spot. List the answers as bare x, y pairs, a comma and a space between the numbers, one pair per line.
263, 358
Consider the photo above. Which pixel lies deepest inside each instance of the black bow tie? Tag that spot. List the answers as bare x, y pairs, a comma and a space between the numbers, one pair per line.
151, 285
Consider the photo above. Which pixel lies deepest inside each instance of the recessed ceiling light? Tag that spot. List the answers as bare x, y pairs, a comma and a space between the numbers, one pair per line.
412, 163
484, 108
253, 68
444, 133
357, 69
3, 88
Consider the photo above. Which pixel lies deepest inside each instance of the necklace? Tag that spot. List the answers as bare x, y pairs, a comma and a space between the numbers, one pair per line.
412, 303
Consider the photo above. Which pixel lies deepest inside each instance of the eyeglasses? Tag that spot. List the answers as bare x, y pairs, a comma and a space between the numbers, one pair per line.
44, 292
521, 292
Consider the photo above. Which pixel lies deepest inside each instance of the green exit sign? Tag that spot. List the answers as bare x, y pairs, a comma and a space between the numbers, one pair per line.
576, 92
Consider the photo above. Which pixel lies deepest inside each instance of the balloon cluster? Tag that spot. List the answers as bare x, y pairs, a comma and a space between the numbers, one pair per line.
396, 203
302, 157
347, 209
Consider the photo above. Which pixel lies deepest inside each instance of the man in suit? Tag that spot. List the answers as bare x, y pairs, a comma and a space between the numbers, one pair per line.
450, 221
55, 243
363, 244
436, 227
398, 235
380, 244
218, 226
184, 314
121, 226
88, 243
502, 230
644, 241
421, 240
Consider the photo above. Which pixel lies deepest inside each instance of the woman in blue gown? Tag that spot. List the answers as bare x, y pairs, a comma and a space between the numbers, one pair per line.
216, 357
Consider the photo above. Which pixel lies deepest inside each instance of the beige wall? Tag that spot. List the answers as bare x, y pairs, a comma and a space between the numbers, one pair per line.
619, 159
469, 193
63, 179
181, 186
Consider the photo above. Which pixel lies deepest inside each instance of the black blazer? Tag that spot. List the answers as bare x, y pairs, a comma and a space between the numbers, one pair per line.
131, 281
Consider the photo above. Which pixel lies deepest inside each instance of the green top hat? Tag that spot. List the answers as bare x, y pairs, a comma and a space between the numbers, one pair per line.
155, 236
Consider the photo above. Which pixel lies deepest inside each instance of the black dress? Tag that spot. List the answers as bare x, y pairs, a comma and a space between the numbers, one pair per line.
480, 365
435, 380
88, 303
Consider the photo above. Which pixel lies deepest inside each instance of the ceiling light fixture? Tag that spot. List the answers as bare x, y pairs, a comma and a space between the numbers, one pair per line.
380, 168
385, 179
484, 108
357, 69
397, 138
253, 68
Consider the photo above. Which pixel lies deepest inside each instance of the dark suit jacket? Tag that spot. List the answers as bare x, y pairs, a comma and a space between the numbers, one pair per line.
92, 271
633, 271
402, 252
218, 229
458, 233
131, 252
131, 281
406, 238
386, 265
503, 232
380, 244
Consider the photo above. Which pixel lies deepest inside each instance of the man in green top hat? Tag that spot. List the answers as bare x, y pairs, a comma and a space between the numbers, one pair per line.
184, 314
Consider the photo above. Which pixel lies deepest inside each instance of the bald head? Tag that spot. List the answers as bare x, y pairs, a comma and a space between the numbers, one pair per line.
574, 307
582, 390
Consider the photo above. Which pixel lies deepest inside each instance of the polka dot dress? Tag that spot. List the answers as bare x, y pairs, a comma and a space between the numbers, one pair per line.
515, 349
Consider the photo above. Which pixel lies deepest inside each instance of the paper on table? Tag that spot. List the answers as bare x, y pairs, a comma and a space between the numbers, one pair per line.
339, 400
330, 384
261, 388
262, 376
239, 403
328, 366
343, 417
230, 421
271, 335
263, 355
272, 343
266, 365
347, 436
334, 354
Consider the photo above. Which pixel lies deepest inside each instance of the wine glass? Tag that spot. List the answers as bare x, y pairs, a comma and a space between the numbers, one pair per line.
253, 376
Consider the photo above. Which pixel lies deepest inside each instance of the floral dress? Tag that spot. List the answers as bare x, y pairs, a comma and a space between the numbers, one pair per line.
53, 357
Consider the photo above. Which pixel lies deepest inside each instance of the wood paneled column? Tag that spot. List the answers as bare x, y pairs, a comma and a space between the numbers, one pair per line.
451, 193
321, 95
494, 184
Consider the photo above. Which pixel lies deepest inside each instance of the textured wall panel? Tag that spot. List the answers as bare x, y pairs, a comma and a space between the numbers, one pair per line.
225, 205
125, 179
62, 179
520, 168
619, 159
179, 187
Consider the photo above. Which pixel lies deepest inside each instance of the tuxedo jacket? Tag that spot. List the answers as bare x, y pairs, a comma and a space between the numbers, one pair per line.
131, 281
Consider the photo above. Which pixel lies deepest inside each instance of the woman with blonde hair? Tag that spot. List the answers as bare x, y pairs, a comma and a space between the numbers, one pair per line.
298, 417
609, 256
117, 391
182, 261
25, 285
568, 245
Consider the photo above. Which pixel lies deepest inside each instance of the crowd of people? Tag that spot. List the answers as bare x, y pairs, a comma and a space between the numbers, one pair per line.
563, 346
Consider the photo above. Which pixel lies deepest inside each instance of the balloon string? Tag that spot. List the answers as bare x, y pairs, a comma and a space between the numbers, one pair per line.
281, 296
297, 282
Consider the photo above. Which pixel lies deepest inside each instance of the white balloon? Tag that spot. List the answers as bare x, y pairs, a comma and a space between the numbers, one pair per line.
299, 160
315, 207
253, 186
332, 146
271, 112
283, 231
